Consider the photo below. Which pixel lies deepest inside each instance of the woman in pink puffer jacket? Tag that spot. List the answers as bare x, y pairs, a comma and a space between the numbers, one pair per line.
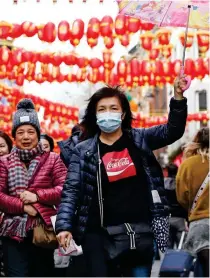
31, 182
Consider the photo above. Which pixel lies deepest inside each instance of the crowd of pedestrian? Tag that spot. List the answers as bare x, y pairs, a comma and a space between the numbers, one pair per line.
106, 189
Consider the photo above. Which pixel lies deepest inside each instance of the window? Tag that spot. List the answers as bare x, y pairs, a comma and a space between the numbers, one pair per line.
202, 100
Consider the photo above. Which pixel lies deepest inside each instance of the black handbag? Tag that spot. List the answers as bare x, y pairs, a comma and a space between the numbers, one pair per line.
121, 239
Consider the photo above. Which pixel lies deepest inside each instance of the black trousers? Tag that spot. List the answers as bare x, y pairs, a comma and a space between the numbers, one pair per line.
134, 265
24, 259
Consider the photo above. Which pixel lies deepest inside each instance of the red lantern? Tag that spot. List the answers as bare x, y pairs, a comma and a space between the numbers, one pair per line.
93, 76
189, 67
28, 56
147, 26
63, 31
199, 68
203, 42
177, 67
45, 58
207, 66
154, 53
164, 36
29, 28
31, 71
120, 25
49, 32
166, 50
77, 31
92, 42
125, 40
57, 59
45, 70
81, 75
20, 80
134, 66
147, 40
70, 77
133, 24
95, 63
93, 29
146, 68
55, 72
190, 38
152, 80
109, 65
70, 59
168, 71
106, 26
5, 54
16, 31
16, 57
82, 62
158, 69
5, 29
122, 70
109, 42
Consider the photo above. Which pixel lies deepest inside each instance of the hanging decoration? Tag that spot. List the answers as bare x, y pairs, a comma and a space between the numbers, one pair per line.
203, 42
190, 39
163, 36
19, 65
147, 40
107, 27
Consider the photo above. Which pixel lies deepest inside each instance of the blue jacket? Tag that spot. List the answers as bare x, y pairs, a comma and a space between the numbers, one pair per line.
67, 146
81, 177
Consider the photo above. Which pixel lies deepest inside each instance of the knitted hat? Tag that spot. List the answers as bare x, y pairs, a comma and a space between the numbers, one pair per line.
25, 115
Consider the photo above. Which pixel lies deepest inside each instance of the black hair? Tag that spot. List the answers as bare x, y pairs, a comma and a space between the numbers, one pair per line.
172, 169
7, 139
49, 139
90, 127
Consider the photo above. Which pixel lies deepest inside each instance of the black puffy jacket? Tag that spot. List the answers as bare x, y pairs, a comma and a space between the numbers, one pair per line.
67, 146
81, 177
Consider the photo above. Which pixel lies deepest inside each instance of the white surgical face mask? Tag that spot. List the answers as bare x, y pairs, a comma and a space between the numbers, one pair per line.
108, 122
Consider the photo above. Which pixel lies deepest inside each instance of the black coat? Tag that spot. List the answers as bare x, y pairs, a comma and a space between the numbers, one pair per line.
81, 177
67, 146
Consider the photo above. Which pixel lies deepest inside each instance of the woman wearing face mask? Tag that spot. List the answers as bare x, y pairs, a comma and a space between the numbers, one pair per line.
114, 179
31, 182
5, 144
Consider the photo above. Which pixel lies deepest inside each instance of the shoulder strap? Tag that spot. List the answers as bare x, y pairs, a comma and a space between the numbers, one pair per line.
99, 186
200, 191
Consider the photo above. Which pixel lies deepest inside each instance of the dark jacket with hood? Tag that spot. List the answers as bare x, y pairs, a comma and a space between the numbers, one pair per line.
81, 178
67, 146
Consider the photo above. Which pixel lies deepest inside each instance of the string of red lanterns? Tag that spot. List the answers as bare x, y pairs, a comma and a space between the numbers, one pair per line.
122, 27
20, 65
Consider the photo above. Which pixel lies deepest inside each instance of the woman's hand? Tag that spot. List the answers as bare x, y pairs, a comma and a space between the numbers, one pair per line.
30, 210
179, 85
64, 239
28, 197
